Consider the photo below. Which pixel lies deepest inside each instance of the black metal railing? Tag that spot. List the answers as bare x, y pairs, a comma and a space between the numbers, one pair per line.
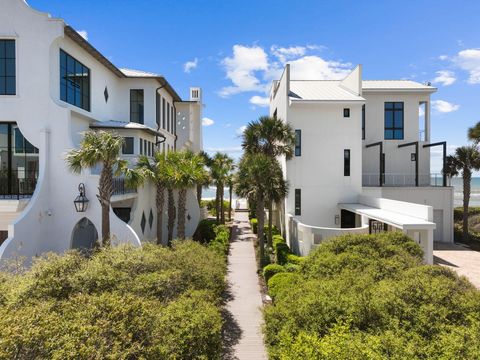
17, 184
121, 188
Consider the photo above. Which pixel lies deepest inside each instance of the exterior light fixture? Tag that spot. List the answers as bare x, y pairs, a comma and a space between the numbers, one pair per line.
81, 202
337, 219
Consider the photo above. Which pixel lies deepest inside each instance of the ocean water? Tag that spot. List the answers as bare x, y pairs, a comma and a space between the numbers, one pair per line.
209, 193
457, 184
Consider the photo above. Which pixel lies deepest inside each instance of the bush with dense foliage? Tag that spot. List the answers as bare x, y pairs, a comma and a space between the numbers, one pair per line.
205, 231
212, 207
272, 269
124, 302
221, 241
254, 224
370, 297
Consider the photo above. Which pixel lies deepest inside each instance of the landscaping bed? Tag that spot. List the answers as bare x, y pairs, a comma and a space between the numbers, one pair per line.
370, 297
121, 303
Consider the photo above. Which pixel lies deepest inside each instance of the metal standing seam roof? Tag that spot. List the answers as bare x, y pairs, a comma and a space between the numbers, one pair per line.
113, 124
399, 220
320, 90
395, 85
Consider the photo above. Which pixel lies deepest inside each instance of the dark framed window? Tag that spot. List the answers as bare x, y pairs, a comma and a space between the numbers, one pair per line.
141, 147
136, 106
298, 142
275, 114
74, 82
172, 118
298, 201
127, 147
7, 68
346, 162
163, 113
363, 122
394, 121
145, 147
168, 116
158, 104
346, 112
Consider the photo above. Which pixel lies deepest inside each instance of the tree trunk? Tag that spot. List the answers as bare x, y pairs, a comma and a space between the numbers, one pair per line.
467, 176
270, 223
171, 216
222, 206
199, 194
217, 203
105, 190
230, 207
260, 227
182, 209
160, 200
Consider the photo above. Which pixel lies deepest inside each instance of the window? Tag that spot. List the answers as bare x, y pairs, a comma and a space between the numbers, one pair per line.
145, 147
346, 162
298, 142
394, 121
275, 114
168, 116
163, 113
127, 148
136, 106
298, 202
363, 122
74, 82
172, 119
158, 104
7, 67
346, 112
141, 147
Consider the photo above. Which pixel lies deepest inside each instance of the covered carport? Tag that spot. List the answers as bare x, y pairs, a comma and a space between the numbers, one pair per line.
413, 219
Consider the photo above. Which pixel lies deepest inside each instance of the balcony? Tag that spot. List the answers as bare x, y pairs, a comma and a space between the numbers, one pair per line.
17, 184
402, 180
120, 187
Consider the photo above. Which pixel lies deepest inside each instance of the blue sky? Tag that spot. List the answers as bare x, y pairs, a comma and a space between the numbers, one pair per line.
235, 48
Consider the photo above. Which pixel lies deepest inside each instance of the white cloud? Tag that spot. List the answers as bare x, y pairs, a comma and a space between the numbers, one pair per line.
83, 34
228, 150
443, 57
190, 65
252, 68
241, 129
241, 69
445, 78
444, 106
207, 122
260, 101
469, 60
421, 112
283, 54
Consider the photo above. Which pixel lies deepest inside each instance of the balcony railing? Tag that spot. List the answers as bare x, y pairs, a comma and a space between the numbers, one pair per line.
397, 179
17, 184
120, 188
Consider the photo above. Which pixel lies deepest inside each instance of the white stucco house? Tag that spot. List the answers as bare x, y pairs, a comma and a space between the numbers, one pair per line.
54, 86
362, 161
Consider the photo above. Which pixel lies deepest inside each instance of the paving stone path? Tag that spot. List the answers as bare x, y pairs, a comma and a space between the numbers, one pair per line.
243, 332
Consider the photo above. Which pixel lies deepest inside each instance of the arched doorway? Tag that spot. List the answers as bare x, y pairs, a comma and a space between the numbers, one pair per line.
84, 236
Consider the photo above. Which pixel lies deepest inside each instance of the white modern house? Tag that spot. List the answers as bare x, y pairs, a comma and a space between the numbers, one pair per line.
54, 86
362, 161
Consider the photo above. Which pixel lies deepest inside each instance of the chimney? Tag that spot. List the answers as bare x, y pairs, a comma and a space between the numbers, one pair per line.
196, 94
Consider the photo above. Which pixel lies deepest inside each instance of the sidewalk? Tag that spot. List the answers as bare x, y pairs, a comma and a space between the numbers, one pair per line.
244, 305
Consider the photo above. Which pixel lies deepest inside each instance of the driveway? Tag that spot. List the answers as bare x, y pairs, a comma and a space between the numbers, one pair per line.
459, 258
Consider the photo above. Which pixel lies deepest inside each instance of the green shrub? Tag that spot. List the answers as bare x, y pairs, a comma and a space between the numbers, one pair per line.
123, 302
272, 269
281, 253
370, 297
221, 241
211, 206
295, 259
275, 231
458, 212
276, 239
282, 281
205, 231
254, 224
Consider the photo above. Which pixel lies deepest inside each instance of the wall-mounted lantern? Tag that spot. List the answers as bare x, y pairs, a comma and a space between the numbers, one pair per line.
81, 202
337, 219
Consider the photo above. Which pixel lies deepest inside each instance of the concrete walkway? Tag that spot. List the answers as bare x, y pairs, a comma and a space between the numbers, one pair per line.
459, 258
244, 318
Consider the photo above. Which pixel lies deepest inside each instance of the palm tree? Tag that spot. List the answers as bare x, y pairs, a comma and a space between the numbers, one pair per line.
465, 160
221, 166
269, 135
474, 133
250, 182
154, 171
205, 182
100, 148
277, 190
184, 170
229, 182
450, 169
274, 138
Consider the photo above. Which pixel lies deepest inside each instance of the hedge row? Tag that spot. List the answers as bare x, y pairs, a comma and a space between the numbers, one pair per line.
121, 303
370, 297
286, 261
